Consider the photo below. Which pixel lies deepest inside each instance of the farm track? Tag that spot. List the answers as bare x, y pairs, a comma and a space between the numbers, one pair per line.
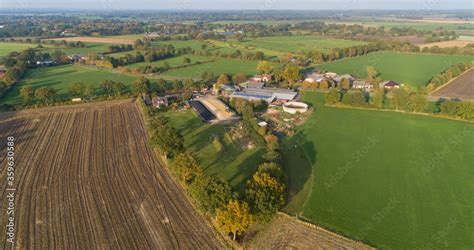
87, 179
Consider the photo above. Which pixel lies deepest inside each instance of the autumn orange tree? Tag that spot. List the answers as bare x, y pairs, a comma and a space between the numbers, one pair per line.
235, 218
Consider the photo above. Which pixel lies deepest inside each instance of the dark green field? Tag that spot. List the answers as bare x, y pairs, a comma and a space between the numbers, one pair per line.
393, 180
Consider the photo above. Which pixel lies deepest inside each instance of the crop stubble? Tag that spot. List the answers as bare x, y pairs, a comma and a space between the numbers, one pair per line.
87, 179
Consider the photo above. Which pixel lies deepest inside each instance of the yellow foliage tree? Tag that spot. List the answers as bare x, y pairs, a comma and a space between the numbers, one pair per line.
235, 218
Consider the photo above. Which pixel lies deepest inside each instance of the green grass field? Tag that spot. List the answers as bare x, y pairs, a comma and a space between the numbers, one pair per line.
90, 48
413, 69
232, 164
60, 78
174, 61
7, 48
394, 180
297, 44
230, 66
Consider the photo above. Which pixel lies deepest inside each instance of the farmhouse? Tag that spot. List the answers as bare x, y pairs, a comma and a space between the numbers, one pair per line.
314, 77
339, 79
160, 101
261, 78
76, 58
389, 85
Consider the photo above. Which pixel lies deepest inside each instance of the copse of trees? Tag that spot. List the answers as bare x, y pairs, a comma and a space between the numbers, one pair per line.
265, 191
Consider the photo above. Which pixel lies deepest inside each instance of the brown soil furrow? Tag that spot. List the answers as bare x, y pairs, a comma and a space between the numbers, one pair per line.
87, 179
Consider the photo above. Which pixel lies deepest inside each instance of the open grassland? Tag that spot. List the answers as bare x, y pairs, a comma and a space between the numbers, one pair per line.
413, 69
90, 48
390, 179
174, 61
86, 178
297, 44
60, 78
7, 48
285, 232
108, 39
462, 87
233, 163
219, 66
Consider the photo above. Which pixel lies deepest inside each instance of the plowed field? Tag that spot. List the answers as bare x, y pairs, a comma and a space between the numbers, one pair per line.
87, 179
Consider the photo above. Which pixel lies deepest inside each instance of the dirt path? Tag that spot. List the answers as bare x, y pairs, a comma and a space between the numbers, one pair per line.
286, 232
87, 179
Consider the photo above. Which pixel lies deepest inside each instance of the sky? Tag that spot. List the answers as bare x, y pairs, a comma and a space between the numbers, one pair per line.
238, 4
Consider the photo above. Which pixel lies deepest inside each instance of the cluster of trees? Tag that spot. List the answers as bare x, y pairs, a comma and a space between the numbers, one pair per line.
450, 73
457, 109
237, 54
45, 95
119, 48
401, 99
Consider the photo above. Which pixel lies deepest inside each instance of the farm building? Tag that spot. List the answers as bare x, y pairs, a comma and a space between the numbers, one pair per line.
202, 111
252, 84
146, 99
254, 96
266, 94
339, 79
358, 84
389, 85
227, 90
45, 63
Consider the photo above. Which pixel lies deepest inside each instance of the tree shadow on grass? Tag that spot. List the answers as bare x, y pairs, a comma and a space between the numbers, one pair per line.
299, 157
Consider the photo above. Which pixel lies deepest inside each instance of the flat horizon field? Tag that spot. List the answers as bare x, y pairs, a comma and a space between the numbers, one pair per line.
389, 179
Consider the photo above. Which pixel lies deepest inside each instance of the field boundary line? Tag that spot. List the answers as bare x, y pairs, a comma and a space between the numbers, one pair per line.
449, 82
319, 228
399, 111
164, 164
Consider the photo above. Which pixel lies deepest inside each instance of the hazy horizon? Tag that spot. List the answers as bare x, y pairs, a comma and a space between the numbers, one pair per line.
425, 5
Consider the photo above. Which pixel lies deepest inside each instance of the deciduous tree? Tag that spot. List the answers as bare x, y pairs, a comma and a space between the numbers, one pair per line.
235, 218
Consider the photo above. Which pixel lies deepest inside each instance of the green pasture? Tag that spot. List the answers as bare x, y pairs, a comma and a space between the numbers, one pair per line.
413, 69
6, 48
219, 66
393, 180
60, 78
299, 44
